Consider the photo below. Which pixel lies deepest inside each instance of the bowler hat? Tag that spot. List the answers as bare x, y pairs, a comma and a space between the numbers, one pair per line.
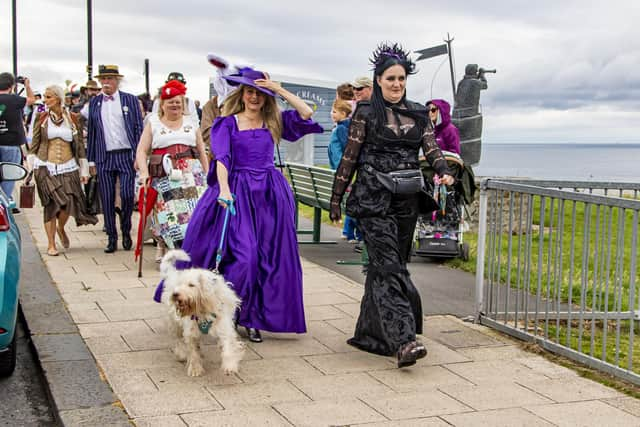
174, 75
108, 71
247, 76
91, 84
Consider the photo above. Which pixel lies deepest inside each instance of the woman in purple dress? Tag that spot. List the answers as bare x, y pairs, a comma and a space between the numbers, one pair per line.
260, 254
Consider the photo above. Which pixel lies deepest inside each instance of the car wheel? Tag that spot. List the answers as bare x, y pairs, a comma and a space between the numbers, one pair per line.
8, 358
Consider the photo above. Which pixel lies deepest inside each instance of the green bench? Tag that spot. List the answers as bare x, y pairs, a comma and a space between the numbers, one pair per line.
311, 186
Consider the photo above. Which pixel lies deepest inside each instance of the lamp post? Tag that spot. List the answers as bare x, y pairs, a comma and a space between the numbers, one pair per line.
89, 39
14, 23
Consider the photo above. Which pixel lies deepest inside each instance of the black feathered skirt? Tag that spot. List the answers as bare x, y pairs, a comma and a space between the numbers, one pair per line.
391, 310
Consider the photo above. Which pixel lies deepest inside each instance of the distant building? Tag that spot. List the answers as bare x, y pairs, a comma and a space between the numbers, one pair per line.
312, 149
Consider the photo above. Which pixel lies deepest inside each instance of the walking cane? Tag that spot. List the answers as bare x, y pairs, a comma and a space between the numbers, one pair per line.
143, 222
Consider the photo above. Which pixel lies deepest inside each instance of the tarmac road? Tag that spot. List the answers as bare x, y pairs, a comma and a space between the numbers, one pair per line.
23, 399
443, 290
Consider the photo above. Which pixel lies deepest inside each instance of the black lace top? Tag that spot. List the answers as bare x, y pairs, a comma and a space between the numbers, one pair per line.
396, 147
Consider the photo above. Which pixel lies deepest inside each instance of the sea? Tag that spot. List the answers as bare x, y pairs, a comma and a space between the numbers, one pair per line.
592, 162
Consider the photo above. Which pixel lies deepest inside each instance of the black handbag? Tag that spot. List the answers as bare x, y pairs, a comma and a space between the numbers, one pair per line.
91, 193
404, 181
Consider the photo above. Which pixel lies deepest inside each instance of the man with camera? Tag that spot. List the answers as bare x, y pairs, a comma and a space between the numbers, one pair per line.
12, 135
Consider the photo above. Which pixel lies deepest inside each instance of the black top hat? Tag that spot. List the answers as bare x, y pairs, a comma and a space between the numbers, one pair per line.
108, 71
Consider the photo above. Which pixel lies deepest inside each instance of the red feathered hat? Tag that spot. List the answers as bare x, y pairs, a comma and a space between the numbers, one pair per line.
172, 89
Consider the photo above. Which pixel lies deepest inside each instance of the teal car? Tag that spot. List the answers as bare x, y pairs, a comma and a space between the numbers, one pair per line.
10, 251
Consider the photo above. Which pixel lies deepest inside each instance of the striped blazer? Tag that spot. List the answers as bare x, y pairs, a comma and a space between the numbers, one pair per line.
96, 146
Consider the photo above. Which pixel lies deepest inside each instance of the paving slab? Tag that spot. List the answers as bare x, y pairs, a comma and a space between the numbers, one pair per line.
275, 369
77, 385
341, 386
512, 417
328, 413
584, 414
453, 333
626, 403
260, 394
101, 416
170, 377
169, 401
166, 421
266, 417
414, 422
51, 318
60, 348
419, 378
415, 405
494, 396
571, 389
288, 346
490, 371
342, 363
107, 345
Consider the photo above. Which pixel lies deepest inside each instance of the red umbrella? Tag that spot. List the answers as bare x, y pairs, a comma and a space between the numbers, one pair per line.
146, 201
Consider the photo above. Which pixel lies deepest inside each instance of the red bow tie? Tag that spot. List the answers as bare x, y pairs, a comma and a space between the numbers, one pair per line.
108, 97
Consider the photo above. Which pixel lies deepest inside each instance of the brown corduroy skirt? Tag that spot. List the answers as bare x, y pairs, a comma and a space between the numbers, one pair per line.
62, 192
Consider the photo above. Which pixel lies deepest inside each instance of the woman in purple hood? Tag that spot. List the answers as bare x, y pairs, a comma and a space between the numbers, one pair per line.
447, 135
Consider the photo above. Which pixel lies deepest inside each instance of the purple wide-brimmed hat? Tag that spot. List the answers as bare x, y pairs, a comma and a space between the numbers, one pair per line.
247, 76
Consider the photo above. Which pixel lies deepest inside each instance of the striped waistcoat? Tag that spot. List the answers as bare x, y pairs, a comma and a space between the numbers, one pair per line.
96, 146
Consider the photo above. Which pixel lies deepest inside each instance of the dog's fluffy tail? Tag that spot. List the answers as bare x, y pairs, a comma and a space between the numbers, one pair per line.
168, 263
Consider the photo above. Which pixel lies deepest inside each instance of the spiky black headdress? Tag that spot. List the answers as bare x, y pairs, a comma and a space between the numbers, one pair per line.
387, 54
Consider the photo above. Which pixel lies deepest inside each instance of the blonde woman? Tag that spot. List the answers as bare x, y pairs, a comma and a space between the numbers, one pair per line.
174, 139
260, 249
59, 162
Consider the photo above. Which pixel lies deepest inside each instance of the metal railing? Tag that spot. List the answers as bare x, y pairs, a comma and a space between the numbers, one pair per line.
558, 264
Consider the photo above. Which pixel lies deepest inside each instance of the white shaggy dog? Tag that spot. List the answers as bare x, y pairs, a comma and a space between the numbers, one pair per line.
197, 297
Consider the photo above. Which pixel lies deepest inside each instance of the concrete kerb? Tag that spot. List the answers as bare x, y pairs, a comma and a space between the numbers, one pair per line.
77, 391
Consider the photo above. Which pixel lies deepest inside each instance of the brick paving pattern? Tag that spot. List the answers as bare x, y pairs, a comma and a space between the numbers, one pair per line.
472, 376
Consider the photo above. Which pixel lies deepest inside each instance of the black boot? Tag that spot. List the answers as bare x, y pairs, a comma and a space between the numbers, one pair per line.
409, 353
126, 242
112, 245
254, 335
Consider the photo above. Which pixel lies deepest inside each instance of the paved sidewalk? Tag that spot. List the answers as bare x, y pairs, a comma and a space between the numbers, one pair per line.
472, 376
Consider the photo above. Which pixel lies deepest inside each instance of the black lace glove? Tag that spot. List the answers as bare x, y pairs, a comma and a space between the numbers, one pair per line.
336, 210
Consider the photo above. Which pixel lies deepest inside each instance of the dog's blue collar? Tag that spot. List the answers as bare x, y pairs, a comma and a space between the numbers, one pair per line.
204, 325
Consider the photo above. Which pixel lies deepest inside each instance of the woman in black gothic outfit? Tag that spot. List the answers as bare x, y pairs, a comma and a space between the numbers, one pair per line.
385, 135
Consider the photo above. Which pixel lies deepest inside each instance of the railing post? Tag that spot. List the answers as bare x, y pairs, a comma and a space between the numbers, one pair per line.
482, 232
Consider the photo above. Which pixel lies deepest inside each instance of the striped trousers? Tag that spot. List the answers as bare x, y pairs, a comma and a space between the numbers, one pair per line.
118, 163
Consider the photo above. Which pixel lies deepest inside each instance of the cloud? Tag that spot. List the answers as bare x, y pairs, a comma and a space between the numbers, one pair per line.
561, 58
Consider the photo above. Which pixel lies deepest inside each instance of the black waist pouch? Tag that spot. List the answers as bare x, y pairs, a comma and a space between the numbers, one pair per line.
404, 181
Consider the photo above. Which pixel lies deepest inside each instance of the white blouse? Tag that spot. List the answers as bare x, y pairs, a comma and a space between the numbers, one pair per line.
163, 137
63, 131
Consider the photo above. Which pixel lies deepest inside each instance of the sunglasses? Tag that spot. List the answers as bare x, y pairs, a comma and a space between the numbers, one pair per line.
433, 110
359, 88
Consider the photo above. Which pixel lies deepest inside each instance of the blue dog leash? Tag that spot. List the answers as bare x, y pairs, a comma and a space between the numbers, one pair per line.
230, 210
205, 325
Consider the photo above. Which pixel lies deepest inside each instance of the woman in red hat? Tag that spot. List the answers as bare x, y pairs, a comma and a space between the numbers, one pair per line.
178, 167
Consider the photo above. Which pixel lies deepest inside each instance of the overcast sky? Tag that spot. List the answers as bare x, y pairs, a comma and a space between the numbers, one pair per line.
568, 70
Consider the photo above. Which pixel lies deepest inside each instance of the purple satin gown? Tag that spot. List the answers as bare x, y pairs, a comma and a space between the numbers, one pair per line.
260, 255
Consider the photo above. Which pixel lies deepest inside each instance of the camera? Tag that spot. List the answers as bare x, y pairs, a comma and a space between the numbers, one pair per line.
20, 79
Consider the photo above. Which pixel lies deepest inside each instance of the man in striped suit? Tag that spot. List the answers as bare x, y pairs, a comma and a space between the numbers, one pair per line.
114, 129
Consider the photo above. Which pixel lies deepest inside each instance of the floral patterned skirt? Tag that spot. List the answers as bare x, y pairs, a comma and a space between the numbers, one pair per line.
177, 198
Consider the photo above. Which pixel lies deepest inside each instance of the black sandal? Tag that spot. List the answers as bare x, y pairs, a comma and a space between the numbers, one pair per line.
409, 353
